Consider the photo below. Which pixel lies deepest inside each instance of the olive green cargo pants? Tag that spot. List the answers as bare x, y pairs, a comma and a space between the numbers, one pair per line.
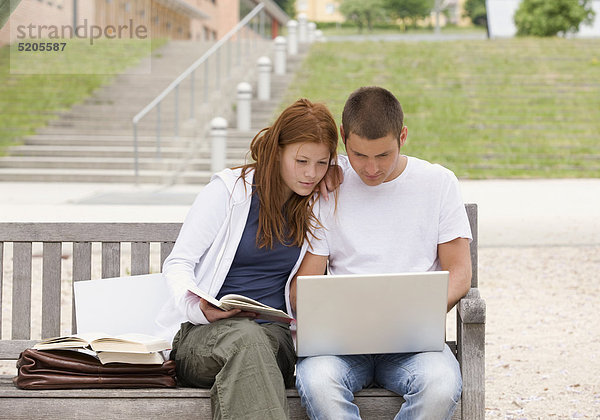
246, 365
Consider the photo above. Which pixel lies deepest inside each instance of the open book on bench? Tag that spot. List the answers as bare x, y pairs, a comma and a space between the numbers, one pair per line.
124, 348
244, 303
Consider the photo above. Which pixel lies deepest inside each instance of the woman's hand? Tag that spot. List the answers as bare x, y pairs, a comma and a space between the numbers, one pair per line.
331, 181
213, 313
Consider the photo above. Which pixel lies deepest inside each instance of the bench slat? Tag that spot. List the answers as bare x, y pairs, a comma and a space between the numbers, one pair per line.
82, 270
11, 349
472, 213
21, 298
140, 258
1, 281
165, 250
186, 403
51, 274
89, 232
111, 259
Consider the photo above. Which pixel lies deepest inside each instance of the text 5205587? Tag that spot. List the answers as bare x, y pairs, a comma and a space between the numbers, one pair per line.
41, 46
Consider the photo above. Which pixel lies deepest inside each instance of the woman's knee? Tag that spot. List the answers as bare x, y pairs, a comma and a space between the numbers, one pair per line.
243, 333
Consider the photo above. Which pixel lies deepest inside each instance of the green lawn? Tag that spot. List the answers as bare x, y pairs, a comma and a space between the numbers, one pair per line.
29, 101
344, 30
518, 108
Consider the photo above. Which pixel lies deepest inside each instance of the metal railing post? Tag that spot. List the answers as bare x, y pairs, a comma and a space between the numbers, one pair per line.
158, 130
229, 59
218, 68
135, 153
177, 111
205, 81
193, 93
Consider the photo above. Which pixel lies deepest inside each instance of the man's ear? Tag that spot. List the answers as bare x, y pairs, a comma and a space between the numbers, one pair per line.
403, 136
342, 134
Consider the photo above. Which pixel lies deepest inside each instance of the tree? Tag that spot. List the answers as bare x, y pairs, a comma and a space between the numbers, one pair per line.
363, 12
552, 17
409, 9
288, 6
6, 8
475, 10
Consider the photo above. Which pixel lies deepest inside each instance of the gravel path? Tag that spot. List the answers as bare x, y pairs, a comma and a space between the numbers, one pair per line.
542, 332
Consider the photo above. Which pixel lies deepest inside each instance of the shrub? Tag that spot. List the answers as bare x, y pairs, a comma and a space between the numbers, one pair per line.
552, 17
475, 10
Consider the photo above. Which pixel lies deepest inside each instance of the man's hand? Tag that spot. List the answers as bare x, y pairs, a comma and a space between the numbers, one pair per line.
331, 181
213, 313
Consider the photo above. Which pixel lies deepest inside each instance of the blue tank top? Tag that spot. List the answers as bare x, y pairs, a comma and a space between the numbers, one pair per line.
260, 273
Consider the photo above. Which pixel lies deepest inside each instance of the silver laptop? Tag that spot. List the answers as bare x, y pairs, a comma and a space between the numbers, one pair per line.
367, 314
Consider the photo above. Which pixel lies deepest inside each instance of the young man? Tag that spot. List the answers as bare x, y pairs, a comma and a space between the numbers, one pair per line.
394, 213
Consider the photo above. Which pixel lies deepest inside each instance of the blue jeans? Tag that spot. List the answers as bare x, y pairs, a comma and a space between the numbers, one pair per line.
430, 383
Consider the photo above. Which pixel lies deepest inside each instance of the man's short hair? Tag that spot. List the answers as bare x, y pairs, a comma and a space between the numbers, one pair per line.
372, 112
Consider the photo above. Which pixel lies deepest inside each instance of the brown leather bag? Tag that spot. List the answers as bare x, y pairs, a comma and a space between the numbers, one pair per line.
64, 369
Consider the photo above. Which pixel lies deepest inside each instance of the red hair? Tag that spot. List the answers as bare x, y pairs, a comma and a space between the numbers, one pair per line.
303, 121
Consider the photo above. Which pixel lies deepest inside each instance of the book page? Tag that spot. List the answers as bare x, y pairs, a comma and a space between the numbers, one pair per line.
201, 293
132, 343
239, 299
120, 305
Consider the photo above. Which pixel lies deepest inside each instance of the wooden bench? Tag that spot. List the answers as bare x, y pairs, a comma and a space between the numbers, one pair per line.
180, 403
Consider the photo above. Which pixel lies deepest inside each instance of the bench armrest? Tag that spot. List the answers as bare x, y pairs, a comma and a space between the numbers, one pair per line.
470, 349
471, 308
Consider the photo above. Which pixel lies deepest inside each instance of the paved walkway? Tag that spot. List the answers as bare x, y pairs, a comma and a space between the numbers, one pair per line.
408, 37
511, 212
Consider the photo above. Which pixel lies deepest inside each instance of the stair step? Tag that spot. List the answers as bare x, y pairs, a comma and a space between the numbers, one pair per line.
103, 176
239, 143
165, 164
112, 152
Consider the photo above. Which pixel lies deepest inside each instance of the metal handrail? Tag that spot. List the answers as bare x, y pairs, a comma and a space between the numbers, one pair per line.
155, 103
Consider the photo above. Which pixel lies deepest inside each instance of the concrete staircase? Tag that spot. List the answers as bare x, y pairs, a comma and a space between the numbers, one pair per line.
93, 141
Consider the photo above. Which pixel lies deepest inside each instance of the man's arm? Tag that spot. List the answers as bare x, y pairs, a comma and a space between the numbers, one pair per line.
312, 265
455, 257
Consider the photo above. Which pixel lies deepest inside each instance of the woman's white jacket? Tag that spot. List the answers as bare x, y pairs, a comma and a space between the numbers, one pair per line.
205, 248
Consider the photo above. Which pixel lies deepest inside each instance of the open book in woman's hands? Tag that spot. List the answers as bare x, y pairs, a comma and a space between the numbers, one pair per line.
244, 303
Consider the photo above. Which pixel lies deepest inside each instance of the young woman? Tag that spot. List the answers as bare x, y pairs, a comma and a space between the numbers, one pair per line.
247, 233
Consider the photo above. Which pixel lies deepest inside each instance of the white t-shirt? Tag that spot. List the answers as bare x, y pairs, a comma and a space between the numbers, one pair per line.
392, 227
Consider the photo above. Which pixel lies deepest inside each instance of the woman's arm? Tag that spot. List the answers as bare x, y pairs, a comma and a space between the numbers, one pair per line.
312, 265
201, 226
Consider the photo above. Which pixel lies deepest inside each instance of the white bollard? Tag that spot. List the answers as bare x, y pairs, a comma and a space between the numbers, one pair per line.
292, 38
244, 97
280, 47
302, 28
218, 136
319, 36
312, 27
264, 79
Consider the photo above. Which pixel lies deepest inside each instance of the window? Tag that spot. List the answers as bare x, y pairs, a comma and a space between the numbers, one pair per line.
330, 8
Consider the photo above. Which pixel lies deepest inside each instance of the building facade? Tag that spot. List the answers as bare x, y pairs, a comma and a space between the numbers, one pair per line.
173, 19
